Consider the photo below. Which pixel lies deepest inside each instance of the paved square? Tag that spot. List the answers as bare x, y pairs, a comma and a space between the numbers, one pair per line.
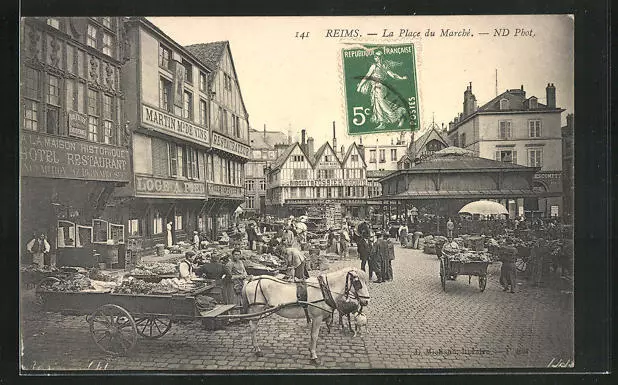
413, 324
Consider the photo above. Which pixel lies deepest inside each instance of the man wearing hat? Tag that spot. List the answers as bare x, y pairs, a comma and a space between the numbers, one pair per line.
185, 266
375, 258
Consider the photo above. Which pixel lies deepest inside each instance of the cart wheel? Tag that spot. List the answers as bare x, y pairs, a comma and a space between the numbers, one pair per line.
153, 326
482, 282
443, 275
521, 264
113, 329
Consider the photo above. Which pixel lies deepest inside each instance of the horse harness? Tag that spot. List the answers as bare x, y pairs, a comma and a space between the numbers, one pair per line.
352, 281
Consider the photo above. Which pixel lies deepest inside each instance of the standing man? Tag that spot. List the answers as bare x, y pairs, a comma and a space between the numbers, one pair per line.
236, 274
364, 249
449, 229
38, 247
403, 235
196, 241
375, 258
251, 235
391, 257
382, 250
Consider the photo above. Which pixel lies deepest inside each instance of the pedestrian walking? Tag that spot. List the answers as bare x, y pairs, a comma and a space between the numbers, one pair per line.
38, 247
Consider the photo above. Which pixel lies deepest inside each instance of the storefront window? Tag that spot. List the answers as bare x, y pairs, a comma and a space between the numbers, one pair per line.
157, 223
100, 231
178, 222
83, 236
116, 233
66, 234
133, 227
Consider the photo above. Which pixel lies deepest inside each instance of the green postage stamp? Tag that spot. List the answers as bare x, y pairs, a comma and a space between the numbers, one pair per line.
381, 92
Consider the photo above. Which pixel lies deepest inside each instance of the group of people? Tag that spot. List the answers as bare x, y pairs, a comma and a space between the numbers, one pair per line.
231, 271
376, 252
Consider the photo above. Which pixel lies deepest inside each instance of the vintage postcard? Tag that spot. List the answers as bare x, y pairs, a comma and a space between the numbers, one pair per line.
277, 193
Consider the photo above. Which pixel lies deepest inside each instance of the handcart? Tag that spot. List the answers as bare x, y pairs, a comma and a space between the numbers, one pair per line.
451, 267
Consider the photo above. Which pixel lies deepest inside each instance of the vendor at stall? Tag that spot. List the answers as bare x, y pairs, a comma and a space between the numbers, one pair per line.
234, 279
296, 263
185, 266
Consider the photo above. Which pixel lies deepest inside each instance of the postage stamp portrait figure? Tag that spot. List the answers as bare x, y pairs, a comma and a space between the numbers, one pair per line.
380, 88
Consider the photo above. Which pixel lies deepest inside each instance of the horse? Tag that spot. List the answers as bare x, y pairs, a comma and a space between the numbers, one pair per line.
324, 293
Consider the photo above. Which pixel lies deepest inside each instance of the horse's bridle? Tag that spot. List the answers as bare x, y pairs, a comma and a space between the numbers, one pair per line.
353, 281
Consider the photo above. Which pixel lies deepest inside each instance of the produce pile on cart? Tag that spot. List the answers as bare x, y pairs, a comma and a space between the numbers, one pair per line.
432, 245
165, 286
457, 260
154, 268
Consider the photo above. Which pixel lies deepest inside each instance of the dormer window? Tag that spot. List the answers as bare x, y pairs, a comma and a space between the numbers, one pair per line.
534, 103
504, 104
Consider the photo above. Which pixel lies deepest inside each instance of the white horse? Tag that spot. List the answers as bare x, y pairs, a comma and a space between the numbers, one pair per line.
265, 292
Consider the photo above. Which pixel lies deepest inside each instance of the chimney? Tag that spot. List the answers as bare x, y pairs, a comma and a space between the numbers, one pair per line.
310, 148
342, 151
264, 130
361, 148
469, 104
551, 95
303, 136
334, 137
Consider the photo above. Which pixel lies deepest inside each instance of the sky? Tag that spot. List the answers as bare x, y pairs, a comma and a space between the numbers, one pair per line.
289, 83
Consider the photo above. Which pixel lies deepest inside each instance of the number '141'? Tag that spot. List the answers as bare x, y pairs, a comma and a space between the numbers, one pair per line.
302, 35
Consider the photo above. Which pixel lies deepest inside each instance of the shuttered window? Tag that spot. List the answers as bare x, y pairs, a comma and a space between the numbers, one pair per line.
160, 158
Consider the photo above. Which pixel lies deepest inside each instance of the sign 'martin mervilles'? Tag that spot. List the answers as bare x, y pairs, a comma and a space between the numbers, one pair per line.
380, 88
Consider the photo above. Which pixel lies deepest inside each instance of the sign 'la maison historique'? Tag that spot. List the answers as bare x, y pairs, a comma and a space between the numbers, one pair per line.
43, 155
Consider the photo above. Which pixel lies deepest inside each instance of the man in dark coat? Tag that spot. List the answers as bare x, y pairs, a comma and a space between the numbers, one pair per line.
375, 257
363, 249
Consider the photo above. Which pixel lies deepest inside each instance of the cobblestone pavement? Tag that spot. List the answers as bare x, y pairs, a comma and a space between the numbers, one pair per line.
413, 324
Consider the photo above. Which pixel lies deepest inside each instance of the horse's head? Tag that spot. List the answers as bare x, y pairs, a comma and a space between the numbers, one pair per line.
358, 285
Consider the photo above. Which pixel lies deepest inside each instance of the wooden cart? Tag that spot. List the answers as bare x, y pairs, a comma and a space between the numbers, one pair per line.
115, 320
450, 269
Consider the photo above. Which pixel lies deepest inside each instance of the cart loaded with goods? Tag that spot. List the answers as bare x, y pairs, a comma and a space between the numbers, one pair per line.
121, 307
458, 260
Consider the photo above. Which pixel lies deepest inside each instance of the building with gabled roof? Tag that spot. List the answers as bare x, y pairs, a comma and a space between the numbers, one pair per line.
229, 121
515, 128
301, 178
